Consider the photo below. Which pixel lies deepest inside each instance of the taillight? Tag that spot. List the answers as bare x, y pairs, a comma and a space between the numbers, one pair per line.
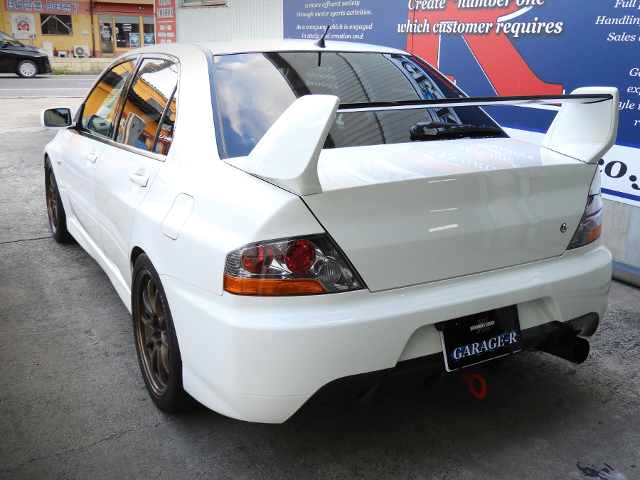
300, 256
290, 266
257, 259
590, 226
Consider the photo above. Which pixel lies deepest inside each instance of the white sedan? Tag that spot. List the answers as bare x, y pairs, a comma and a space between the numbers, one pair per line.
278, 215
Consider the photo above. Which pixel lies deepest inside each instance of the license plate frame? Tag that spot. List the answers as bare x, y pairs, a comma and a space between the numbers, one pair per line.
480, 337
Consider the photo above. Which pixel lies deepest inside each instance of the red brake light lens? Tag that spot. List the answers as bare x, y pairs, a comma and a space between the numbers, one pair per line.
257, 259
300, 256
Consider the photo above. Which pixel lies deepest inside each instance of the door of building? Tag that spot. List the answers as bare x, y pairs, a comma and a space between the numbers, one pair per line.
106, 34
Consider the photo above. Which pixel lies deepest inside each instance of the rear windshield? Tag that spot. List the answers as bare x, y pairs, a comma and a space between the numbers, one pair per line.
254, 89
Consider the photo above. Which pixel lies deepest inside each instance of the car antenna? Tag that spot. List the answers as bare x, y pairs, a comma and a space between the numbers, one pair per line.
320, 41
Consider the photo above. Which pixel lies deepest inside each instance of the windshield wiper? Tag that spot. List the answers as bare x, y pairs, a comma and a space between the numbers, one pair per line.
432, 130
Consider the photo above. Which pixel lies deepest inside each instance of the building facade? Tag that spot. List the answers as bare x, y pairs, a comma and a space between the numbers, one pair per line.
106, 29
203, 20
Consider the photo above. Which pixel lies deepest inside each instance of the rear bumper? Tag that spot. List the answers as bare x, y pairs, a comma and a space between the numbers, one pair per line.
424, 368
260, 358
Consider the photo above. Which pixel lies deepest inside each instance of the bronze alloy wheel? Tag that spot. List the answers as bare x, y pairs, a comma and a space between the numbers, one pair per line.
52, 200
156, 340
152, 335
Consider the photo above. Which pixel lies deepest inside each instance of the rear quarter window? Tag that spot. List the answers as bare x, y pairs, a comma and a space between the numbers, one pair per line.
149, 111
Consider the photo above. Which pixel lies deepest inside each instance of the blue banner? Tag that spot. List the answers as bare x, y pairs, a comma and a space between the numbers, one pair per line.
508, 47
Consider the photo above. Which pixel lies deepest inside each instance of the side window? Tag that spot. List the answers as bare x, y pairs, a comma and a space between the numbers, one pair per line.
165, 137
100, 107
150, 103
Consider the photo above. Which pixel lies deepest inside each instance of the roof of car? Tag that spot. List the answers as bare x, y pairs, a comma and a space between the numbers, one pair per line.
246, 46
255, 45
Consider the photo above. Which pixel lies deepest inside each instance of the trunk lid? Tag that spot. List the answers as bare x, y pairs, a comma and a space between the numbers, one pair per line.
419, 212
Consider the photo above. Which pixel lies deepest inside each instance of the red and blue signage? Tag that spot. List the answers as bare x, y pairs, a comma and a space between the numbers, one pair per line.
507, 47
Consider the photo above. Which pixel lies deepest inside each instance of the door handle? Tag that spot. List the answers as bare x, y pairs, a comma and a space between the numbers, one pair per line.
139, 179
92, 157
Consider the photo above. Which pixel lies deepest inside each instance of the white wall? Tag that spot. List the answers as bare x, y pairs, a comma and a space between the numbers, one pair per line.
238, 19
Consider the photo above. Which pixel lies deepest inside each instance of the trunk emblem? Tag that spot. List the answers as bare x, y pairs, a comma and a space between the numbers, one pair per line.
563, 227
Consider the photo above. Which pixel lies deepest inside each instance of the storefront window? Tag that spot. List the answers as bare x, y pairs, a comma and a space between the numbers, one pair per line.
127, 32
56, 25
149, 30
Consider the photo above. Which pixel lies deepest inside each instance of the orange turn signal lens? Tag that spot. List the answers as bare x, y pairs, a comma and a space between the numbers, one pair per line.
594, 234
254, 286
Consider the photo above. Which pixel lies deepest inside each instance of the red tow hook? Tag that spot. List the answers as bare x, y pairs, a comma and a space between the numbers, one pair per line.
469, 378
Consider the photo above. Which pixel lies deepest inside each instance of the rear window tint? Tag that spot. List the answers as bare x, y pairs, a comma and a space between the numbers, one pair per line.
254, 89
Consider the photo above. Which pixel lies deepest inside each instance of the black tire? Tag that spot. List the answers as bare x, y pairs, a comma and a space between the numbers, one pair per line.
55, 209
27, 69
156, 341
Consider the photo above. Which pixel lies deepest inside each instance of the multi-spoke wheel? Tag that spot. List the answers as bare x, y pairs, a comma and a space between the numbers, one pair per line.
152, 336
27, 69
55, 210
156, 342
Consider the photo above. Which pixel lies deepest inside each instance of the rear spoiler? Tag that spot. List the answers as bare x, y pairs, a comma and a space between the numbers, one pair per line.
585, 128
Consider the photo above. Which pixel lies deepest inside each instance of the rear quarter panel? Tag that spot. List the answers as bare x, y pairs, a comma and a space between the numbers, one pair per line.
231, 207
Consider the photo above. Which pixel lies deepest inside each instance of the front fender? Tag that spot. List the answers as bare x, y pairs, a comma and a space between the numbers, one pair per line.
54, 151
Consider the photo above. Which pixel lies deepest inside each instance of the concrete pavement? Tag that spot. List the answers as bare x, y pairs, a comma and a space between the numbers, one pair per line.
73, 404
22, 99
44, 86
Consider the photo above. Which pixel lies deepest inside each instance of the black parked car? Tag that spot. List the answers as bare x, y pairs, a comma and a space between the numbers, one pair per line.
16, 57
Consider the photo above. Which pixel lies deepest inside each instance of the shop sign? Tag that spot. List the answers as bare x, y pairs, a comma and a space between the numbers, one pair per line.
41, 6
23, 25
165, 11
507, 47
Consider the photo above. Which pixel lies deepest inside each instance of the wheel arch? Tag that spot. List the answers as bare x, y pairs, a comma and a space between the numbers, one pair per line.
135, 253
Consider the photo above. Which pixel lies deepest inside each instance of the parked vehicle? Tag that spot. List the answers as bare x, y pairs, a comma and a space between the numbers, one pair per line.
278, 215
21, 59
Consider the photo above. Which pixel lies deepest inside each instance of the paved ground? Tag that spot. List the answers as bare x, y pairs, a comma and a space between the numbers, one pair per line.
73, 405
45, 85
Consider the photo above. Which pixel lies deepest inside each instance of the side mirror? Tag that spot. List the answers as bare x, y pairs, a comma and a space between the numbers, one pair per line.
56, 118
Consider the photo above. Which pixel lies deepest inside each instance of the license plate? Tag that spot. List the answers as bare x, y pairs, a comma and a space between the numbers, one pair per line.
480, 337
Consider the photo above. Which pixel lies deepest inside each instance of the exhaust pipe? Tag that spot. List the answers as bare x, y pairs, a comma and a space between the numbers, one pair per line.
570, 347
